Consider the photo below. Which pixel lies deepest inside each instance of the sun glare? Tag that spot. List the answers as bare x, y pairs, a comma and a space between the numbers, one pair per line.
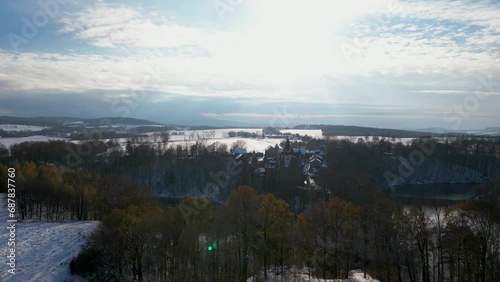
302, 33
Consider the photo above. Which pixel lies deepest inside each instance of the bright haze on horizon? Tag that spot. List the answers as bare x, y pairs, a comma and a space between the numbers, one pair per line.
398, 64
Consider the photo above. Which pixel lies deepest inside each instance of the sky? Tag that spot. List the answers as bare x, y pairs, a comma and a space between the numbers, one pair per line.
395, 64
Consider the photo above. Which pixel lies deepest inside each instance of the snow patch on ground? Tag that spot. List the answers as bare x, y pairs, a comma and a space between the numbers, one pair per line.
302, 276
188, 135
43, 249
251, 144
17, 127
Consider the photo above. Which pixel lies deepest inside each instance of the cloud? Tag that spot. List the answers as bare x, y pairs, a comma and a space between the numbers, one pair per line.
484, 13
122, 26
326, 54
459, 92
307, 117
247, 64
315, 113
308, 43
458, 37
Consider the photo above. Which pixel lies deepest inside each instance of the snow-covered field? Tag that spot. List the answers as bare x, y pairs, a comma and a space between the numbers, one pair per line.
182, 137
43, 249
251, 144
37, 138
221, 136
187, 135
17, 127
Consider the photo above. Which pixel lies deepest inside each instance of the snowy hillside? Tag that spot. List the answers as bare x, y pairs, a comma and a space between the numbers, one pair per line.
18, 127
43, 249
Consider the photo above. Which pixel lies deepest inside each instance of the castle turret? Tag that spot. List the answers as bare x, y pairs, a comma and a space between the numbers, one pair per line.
288, 147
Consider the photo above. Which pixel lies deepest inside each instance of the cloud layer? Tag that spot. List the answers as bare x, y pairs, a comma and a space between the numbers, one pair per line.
420, 53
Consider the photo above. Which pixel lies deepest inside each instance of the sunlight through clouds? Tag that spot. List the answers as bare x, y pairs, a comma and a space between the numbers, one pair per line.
299, 51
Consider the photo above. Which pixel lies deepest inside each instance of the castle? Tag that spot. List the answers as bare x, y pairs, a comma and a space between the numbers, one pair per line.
292, 163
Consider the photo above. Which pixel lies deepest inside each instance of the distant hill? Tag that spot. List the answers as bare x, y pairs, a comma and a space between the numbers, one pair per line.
491, 131
347, 130
67, 124
434, 130
119, 121
40, 121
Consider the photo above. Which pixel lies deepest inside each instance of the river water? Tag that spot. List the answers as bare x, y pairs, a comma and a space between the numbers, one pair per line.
457, 192
433, 196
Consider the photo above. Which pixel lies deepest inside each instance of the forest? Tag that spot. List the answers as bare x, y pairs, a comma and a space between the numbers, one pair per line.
345, 130
252, 228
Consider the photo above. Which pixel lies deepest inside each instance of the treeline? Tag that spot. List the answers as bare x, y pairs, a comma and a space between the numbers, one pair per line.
344, 130
200, 241
171, 169
99, 155
17, 134
185, 168
250, 235
473, 152
4, 153
45, 192
86, 155
374, 159
116, 132
244, 134
181, 170
103, 133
